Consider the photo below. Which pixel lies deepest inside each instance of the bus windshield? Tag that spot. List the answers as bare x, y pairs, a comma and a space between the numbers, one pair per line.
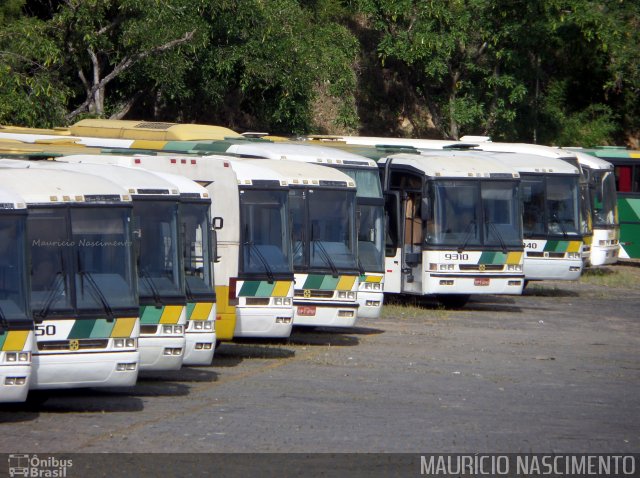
13, 268
604, 198
196, 223
81, 261
160, 268
474, 213
324, 230
550, 205
104, 258
266, 238
371, 238
367, 181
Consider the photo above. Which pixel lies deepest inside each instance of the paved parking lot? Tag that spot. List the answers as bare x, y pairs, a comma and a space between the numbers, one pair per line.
556, 370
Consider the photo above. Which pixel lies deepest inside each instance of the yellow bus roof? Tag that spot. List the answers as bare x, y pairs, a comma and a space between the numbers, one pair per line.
150, 130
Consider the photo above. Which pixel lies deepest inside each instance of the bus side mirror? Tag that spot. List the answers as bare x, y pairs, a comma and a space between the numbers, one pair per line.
217, 223
425, 209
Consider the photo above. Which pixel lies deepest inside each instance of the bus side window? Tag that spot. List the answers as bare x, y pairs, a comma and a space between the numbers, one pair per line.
623, 179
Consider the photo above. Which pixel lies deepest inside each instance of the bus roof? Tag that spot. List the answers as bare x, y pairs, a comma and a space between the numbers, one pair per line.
452, 164
39, 184
10, 200
149, 130
301, 152
590, 161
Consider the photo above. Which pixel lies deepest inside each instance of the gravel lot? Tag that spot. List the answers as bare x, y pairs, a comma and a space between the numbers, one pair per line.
555, 370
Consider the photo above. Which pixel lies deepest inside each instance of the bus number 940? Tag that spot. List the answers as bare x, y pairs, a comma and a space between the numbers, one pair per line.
456, 257
530, 245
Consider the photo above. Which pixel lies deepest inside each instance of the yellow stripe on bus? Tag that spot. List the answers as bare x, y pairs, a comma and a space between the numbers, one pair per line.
171, 314
148, 144
124, 327
574, 246
281, 289
377, 279
201, 311
514, 257
15, 340
346, 282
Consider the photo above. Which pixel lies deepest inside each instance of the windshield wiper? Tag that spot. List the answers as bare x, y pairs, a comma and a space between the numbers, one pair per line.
4, 323
498, 235
560, 223
97, 292
264, 262
53, 291
327, 258
467, 237
152, 287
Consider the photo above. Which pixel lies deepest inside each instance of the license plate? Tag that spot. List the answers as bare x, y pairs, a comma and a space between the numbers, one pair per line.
306, 310
481, 281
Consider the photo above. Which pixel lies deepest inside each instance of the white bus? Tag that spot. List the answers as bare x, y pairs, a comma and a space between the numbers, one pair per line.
83, 286
369, 208
158, 256
601, 178
454, 227
252, 240
16, 321
194, 243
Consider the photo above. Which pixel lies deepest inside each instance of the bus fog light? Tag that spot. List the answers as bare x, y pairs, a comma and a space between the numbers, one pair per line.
208, 325
199, 346
574, 268
121, 367
446, 282
21, 380
24, 357
167, 329
168, 351
373, 303
345, 313
177, 351
208, 346
11, 357
10, 381
283, 320
131, 366
130, 343
514, 282
118, 343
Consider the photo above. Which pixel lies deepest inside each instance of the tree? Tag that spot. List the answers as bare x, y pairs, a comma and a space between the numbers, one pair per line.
31, 88
107, 38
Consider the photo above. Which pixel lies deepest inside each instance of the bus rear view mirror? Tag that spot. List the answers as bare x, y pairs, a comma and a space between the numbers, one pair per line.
217, 223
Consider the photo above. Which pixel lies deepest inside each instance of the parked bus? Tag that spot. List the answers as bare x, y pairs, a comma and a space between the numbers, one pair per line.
601, 180
454, 227
16, 320
369, 206
157, 245
253, 269
626, 163
83, 287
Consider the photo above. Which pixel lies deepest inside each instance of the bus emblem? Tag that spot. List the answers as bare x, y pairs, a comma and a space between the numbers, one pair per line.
307, 293
74, 345
482, 267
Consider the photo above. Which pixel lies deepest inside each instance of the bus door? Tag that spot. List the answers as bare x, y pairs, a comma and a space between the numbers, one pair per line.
411, 242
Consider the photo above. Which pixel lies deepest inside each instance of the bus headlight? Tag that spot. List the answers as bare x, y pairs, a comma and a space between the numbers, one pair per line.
447, 267
131, 343
351, 295
198, 325
277, 301
167, 329
574, 255
178, 329
372, 286
208, 325
24, 357
11, 357
514, 267
287, 301
342, 294
118, 343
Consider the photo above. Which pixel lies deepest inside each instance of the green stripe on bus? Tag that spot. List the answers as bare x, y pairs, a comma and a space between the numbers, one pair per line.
329, 283
488, 257
264, 289
313, 281
150, 315
249, 288
3, 337
82, 329
190, 307
102, 329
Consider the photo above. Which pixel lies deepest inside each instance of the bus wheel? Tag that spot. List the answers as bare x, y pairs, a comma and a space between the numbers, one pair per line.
36, 398
453, 301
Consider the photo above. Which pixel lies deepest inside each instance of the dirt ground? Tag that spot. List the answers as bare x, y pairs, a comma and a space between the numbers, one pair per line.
554, 370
